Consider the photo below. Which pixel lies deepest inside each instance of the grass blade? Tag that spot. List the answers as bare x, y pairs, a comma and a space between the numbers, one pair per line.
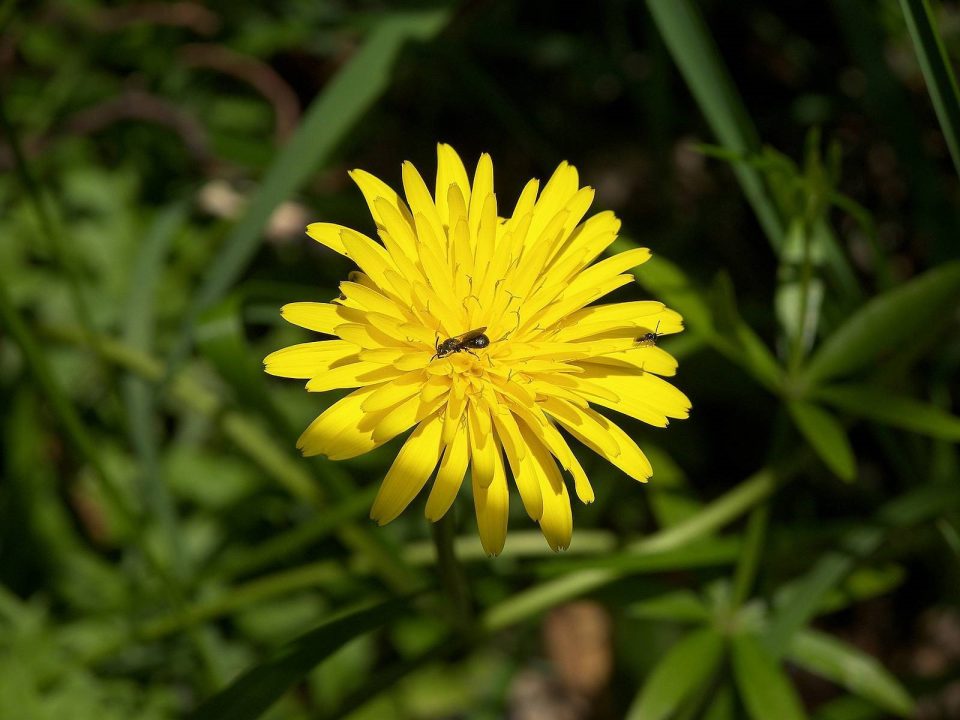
887, 321
251, 694
350, 94
765, 689
879, 404
826, 436
851, 668
688, 40
685, 667
941, 83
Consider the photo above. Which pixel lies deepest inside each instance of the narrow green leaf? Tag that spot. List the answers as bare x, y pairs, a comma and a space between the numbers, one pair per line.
941, 83
851, 668
720, 512
343, 102
885, 322
808, 596
826, 436
678, 606
686, 666
765, 689
693, 50
875, 403
251, 694
849, 707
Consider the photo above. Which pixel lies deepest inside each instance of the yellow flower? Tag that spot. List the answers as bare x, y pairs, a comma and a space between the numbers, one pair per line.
477, 331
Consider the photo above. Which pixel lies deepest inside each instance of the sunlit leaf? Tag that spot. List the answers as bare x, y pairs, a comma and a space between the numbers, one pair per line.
764, 687
851, 668
685, 667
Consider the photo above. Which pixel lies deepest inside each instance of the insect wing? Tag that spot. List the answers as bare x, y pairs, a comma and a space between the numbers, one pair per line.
470, 335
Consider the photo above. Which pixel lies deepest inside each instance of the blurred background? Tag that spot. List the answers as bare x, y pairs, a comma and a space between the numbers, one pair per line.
163, 548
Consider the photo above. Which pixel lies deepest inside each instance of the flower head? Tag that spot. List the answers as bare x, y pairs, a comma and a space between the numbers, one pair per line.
475, 327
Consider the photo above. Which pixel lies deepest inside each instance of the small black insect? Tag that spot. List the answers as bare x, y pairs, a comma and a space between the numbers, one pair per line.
650, 338
468, 342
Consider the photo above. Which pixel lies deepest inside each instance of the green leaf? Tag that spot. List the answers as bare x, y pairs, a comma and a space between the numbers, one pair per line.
678, 606
849, 707
808, 596
686, 666
251, 694
328, 120
826, 436
941, 83
851, 668
885, 322
688, 40
765, 689
738, 340
875, 403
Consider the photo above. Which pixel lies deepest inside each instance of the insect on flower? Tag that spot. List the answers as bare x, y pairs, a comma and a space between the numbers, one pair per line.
649, 339
467, 342
502, 403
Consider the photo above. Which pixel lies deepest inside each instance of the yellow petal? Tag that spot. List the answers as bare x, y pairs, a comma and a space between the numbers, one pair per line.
601, 435
352, 375
451, 174
453, 466
372, 188
492, 504
308, 360
523, 475
410, 471
556, 523
340, 419
482, 447
420, 199
319, 317
392, 393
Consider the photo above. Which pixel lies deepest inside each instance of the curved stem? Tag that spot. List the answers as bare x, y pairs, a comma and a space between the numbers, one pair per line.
452, 576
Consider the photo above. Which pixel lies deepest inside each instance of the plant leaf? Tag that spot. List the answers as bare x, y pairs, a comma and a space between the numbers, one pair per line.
688, 40
678, 606
941, 83
764, 687
875, 403
687, 665
251, 694
826, 436
851, 668
885, 322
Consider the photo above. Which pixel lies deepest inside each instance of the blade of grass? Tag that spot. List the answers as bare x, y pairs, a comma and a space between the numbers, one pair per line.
330, 117
941, 83
714, 516
826, 436
61, 404
881, 405
851, 668
886, 321
764, 687
684, 667
257, 689
138, 395
693, 50
810, 592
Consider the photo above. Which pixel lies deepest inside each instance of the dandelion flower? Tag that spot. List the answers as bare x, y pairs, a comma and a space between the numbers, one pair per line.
475, 327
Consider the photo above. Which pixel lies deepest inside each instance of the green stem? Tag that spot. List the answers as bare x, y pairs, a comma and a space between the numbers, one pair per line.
750, 555
720, 512
452, 576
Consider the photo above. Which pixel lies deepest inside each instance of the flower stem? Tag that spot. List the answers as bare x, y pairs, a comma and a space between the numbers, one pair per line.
452, 577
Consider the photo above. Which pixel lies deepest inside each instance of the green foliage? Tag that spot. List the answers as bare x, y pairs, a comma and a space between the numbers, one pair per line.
163, 548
